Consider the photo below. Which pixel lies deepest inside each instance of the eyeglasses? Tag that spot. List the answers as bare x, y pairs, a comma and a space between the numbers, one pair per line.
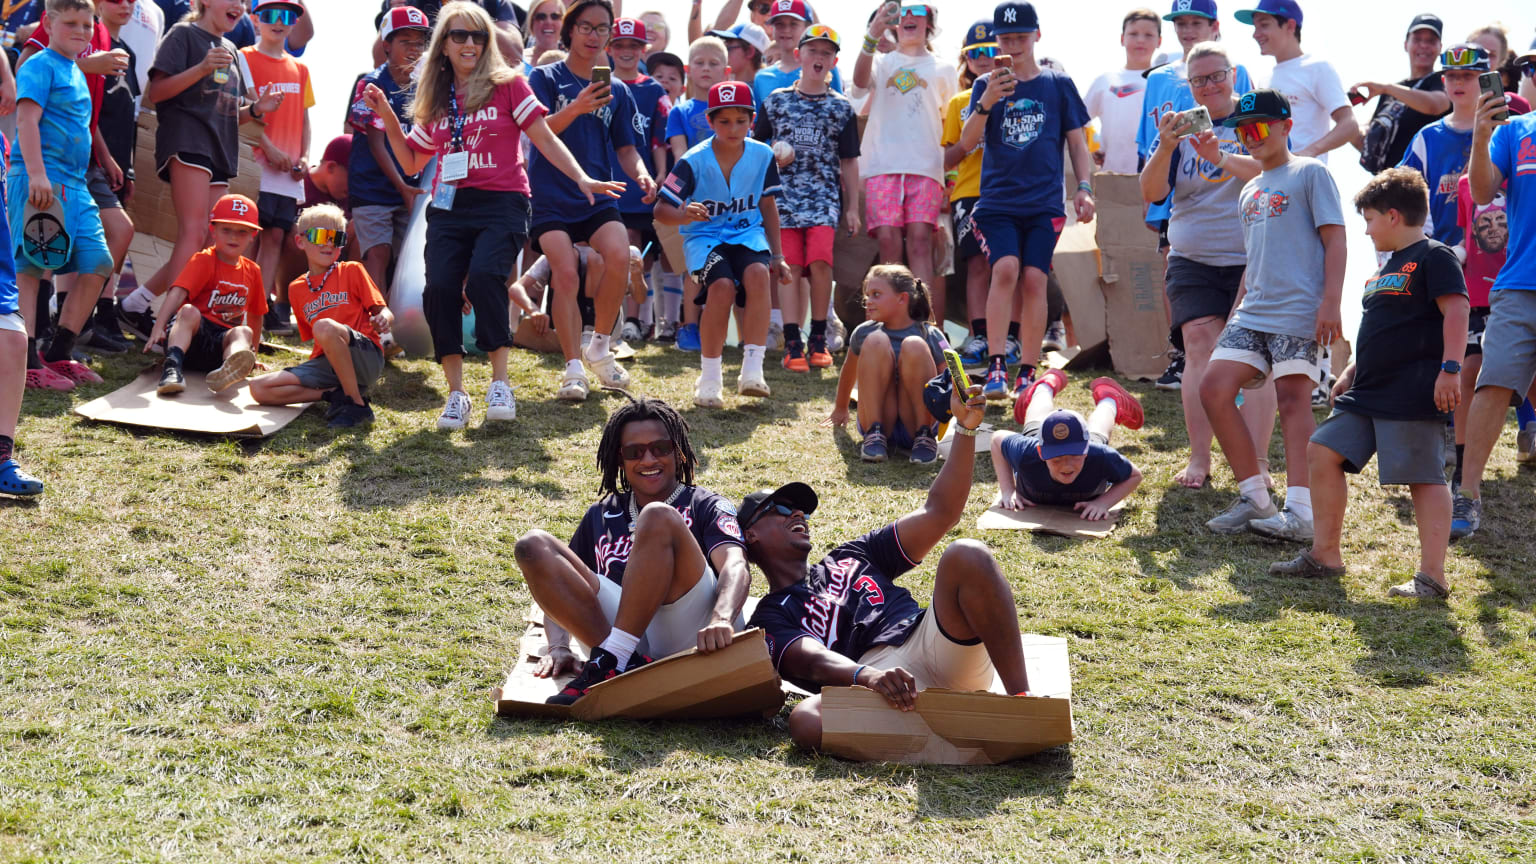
326, 237
773, 507
661, 449
1256, 131
983, 51
1198, 81
918, 11
280, 15
585, 29
459, 37
1462, 56
1528, 68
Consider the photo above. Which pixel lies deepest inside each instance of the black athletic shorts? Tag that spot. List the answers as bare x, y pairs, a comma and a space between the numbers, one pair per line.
728, 261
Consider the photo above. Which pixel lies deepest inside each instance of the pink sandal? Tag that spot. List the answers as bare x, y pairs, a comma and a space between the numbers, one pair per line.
43, 378
74, 370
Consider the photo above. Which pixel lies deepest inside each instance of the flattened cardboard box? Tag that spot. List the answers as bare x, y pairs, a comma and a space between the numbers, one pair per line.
1076, 264
1132, 275
1060, 521
736, 681
950, 727
233, 412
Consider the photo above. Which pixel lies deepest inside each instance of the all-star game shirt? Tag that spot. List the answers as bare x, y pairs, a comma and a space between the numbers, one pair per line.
732, 204
848, 601
823, 130
224, 293
345, 294
592, 138
1021, 164
604, 538
491, 137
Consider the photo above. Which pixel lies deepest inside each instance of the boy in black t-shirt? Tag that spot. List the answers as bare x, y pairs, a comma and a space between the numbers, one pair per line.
1398, 394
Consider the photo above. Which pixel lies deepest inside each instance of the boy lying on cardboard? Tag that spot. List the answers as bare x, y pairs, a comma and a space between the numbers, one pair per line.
845, 621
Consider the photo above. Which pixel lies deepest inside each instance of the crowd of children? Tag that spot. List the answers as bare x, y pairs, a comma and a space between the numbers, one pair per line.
559, 165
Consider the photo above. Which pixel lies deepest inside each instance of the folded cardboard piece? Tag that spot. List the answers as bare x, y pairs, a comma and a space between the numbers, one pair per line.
983, 440
1076, 265
1136, 321
1061, 521
950, 727
736, 681
232, 412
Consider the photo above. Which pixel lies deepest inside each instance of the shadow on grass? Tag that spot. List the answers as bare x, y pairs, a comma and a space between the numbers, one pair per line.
1502, 546
959, 791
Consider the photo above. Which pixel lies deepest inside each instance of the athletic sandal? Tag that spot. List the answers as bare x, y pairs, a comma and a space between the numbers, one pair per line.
1057, 382
43, 378
74, 370
755, 386
233, 370
602, 667
1421, 587
573, 388
1307, 566
14, 481
1127, 407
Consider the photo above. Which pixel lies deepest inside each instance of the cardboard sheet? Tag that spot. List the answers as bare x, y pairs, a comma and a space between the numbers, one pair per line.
956, 728
1060, 521
232, 412
1076, 265
1132, 275
983, 441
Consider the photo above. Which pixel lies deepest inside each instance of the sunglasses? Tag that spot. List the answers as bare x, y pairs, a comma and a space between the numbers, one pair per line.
762, 8
821, 31
1198, 81
774, 507
280, 15
984, 51
661, 449
326, 237
1462, 56
459, 37
1528, 68
914, 11
1256, 131
547, 16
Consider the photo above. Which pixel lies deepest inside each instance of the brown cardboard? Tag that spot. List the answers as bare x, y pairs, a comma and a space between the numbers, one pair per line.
1076, 264
950, 727
232, 412
151, 208
1131, 271
1061, 521
983, 440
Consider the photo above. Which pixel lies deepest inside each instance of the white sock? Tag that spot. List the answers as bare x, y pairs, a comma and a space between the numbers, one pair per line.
1298, 500
599, 346
645, 315
711, 368
1254, 490
672, 296
776, 316
1107, 400
620, 645
752, 361
573, 369
138, 301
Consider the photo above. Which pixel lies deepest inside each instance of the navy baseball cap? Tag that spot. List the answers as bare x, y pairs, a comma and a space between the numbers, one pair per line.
1063, 433
1256, 105
1278, 8
796, 495
979, 34
1203, 8
1015, 16
1426, 22
1465, 57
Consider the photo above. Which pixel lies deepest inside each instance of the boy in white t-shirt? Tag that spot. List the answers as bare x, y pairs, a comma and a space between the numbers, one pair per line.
1319, 106
1115, 98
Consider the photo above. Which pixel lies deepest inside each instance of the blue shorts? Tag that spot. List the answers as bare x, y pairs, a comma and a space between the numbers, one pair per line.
1031, 239
82, 219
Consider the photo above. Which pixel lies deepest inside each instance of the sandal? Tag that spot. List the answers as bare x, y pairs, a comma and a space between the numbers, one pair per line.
14, 481
1421, 587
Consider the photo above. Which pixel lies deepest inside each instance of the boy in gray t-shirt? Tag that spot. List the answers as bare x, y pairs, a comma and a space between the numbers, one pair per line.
1293, 226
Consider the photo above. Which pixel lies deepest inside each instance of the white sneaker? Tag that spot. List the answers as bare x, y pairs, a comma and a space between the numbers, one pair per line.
707, 393
631, 332
608, 371
456, 413
1055, 337
573, 388
775, 336
752, 386
837, 333
499, 403
1285, 525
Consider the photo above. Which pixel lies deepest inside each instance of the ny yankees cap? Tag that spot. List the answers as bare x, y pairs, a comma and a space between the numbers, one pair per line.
1015, 16
1278, 8
1063, 433
730, 94
979, 35
403, 18
1426, 22
790, 8
628, 28
1256, 105
1203, 8
236, 210
796, 495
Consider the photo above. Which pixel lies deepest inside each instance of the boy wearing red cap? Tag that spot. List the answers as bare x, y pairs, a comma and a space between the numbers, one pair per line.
212, 315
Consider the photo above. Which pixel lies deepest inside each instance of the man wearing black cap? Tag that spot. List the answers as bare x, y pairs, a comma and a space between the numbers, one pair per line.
844, 620
1407, 106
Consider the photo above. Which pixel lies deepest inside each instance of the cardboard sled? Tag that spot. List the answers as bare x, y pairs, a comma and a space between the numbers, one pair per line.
1132, 275
1061, 521
737, 681
198, 409
950, 727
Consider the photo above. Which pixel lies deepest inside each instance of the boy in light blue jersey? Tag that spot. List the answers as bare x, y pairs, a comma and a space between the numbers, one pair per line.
722, 194
787, 23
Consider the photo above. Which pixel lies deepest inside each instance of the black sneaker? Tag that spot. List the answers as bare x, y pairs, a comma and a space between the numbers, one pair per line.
349, 415
600, 668
171, 380
103, 340
1173, 376
334, 400
140, 324
277, 320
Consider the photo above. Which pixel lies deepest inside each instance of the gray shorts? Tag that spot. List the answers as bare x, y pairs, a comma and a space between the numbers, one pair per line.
367, 363
101, 189
379, 225
1274, 355
1409, 452
1509, 341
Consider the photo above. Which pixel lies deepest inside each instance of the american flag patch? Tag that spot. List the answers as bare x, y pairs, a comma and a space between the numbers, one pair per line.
673, 185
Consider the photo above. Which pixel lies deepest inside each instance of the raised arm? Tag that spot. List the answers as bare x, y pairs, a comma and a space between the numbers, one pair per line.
1431, 102
1485, 177
923, 528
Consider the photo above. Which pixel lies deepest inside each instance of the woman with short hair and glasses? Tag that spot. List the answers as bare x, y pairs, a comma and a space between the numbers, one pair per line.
657, 565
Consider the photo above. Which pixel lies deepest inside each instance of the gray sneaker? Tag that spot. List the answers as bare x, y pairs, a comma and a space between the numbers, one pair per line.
1235, 519
1306, 566
1525, 445
1284, 525
1466, 516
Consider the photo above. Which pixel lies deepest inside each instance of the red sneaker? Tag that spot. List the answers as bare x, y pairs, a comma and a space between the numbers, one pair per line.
794, 358
1057, 382
1127, 408
43, 378
820, 357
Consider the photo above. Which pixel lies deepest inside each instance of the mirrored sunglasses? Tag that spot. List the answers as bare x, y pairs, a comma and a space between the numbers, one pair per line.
1461, 56
982, 51
917, 11
278, 15
459, 37
1255, 131
326, 237
660, 449
821, 31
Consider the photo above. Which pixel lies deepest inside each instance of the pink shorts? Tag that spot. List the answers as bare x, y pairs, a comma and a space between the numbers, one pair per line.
806, 246
896, 200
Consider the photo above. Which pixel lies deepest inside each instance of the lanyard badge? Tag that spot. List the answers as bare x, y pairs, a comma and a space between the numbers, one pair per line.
455, 164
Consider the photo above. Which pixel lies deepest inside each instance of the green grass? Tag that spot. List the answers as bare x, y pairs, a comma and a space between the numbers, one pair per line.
283, 651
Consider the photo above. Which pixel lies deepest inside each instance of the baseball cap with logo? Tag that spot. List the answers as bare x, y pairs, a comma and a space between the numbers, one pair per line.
790, 8
1015, 16
628, 28
746, 32
403, 18
730, 94
1426, 22
1203, 8
821, 33
236, 210
1063, 433
1278, 8
272, 4
1257, 105
979, 35
1465, 57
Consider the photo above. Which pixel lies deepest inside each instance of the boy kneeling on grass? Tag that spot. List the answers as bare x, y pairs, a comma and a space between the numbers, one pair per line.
211, 318
337, 305
1060, 460
1398, 394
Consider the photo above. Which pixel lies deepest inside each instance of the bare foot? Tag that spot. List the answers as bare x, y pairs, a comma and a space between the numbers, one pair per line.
1193, 476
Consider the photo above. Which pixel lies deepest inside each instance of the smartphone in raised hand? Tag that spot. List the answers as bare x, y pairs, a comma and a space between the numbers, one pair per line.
602, 75
1492, 82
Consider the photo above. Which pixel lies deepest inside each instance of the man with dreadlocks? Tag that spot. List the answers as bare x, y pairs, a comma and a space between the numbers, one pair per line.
657, 565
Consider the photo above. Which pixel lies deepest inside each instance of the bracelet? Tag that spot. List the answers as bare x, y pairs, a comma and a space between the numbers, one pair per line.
1223, 160
1085, 186
961, 430
857, 671
870, 43
980, 110
254, 114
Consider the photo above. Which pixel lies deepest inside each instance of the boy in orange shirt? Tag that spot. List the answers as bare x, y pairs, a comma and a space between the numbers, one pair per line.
284, 142
341, 309
216, 305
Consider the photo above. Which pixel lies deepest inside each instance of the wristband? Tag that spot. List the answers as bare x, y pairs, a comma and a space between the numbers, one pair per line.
1223, 160
870, 43
961, 430
255, 115
1085, 186
981, 110
857, 671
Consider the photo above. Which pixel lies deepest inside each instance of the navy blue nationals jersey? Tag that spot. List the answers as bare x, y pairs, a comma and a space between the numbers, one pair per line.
849, 601
604, 537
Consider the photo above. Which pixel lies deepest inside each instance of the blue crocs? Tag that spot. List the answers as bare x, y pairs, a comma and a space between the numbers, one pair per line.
688, 338
14, 481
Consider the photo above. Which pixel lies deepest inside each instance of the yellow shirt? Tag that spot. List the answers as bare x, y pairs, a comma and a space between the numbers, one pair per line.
968, 184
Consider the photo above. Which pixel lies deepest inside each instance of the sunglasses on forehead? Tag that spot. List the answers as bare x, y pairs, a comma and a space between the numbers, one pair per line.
459, 37
661, 449
326, 237
1462, 56
983, 51
279, 15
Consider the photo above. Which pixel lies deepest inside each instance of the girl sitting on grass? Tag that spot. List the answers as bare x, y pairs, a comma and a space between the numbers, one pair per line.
891, 379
